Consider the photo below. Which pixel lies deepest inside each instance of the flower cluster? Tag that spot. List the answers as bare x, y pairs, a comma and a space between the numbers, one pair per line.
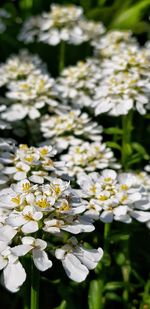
126, 77
62, 23
115, 197
19, 66
88, 157
115, 82
69, 128
29, 87
32, 162
38, 203
114, 42
77, 84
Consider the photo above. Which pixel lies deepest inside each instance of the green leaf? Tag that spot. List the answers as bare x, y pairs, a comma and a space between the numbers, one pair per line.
128, 18
113, 130
120, 259
127, 149
141, 150
114, 285
63, 305
113, 296
95, 294
119, 237
113, 145
135, 159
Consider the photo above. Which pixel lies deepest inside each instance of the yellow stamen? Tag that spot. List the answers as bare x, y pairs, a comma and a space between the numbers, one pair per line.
16, 199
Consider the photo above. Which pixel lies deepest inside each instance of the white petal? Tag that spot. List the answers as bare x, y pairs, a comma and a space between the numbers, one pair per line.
16, 219
41, 260
30, 227
14, 276
141, 216
21, 250
3, 262
20, 175
28, 240
74, 269
7, 233
120, 210
59, 253
89, 258
106, 216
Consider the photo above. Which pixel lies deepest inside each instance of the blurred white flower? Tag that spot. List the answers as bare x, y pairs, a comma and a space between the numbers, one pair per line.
113, 42
19, 66
88, 157
114, 197
68, 127
77, 84
63, 23
28, 96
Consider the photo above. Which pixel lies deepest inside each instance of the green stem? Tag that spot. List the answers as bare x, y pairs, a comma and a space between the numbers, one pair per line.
146, 295
62, 56
35, 283
107, 227
26, 286
126, 279
106, 263
126, 138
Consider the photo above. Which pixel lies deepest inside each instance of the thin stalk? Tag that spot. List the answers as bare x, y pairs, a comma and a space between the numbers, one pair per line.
126, 138
35, 284
106, 263
126, 279
26, 287
62, 53
107, 227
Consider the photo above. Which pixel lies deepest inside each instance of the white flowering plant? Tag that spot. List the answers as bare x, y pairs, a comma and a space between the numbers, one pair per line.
74, 155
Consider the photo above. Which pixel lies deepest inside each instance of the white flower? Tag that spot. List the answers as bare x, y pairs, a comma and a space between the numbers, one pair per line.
31, 162
13, 275
113, 42
37, 247
30, 29
77, 260
126, 79
7, 233
118, 92
10, 199
73, 122
74, 226
26, 219
77, 84
63, 23
33, 93
87, 157
114, 197
19, 171
19, 66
